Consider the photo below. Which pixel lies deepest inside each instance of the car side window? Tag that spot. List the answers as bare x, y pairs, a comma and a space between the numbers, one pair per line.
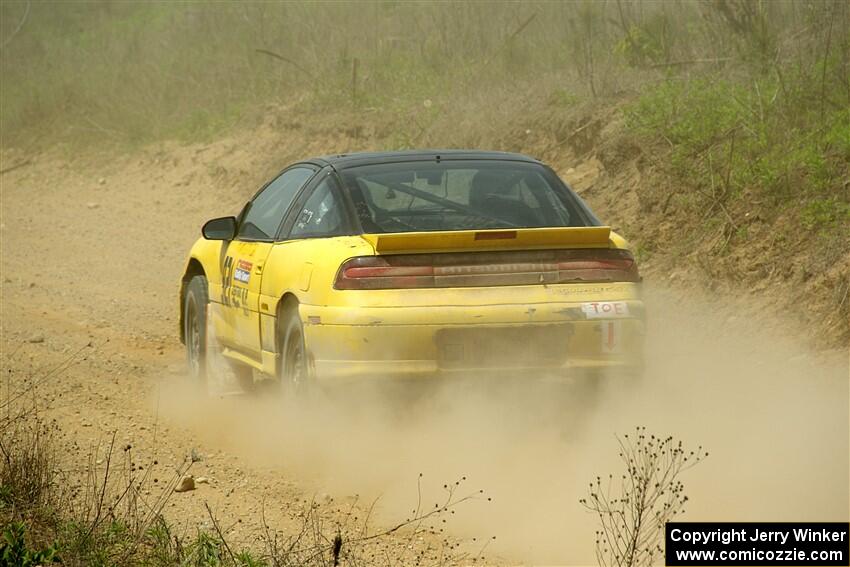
267, 210
322, 214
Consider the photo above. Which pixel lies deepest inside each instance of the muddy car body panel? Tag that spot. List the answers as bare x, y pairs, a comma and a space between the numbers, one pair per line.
416, 263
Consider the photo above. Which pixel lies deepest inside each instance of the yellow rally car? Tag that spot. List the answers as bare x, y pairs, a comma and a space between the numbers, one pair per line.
415, 263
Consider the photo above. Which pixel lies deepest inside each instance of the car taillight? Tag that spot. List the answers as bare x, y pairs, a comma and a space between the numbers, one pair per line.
379, 272
615, 267
459, 269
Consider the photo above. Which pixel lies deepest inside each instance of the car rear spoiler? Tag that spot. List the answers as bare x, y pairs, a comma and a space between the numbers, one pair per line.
513, 239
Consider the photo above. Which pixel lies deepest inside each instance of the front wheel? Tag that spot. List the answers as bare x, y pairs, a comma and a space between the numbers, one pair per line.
204, 375
195, 329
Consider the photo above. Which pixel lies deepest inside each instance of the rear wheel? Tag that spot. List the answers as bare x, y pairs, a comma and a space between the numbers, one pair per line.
597, 384
293, 366
590, 386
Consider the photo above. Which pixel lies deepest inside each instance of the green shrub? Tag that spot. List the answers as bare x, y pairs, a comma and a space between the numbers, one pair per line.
14, 551
752, 136
825, 213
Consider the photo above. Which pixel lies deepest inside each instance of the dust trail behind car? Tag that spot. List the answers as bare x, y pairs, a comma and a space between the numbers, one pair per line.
773, 417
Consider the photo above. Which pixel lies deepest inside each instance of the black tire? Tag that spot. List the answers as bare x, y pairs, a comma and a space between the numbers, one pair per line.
590, 387
198, 351
195, 305
596, 385
293, 369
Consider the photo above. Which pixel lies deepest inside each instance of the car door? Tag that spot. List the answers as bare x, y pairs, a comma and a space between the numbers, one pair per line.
309, 235
243, 263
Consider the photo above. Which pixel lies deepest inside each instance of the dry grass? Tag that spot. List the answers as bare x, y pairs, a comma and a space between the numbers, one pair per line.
109, 73
102, 509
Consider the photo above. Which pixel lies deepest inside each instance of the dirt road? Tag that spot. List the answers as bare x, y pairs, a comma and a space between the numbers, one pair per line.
91, 257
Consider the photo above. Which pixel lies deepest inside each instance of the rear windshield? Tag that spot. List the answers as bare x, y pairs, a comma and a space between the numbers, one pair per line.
461, 195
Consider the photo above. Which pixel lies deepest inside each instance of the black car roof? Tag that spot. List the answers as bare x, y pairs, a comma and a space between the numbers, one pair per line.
342, 161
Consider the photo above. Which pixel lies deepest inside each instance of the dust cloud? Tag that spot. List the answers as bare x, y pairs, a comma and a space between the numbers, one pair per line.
772, 415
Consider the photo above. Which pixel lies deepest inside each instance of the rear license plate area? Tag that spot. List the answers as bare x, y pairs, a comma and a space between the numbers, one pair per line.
500, 347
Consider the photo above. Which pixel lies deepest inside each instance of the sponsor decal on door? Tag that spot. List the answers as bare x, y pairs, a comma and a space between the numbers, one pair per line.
242, 273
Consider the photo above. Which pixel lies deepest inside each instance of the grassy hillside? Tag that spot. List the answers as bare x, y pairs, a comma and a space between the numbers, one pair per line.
135, 72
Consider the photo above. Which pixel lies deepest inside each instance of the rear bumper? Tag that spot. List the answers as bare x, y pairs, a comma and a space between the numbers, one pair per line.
555, 338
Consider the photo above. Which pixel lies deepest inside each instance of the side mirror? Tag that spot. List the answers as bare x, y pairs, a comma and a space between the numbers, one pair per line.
223, 228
